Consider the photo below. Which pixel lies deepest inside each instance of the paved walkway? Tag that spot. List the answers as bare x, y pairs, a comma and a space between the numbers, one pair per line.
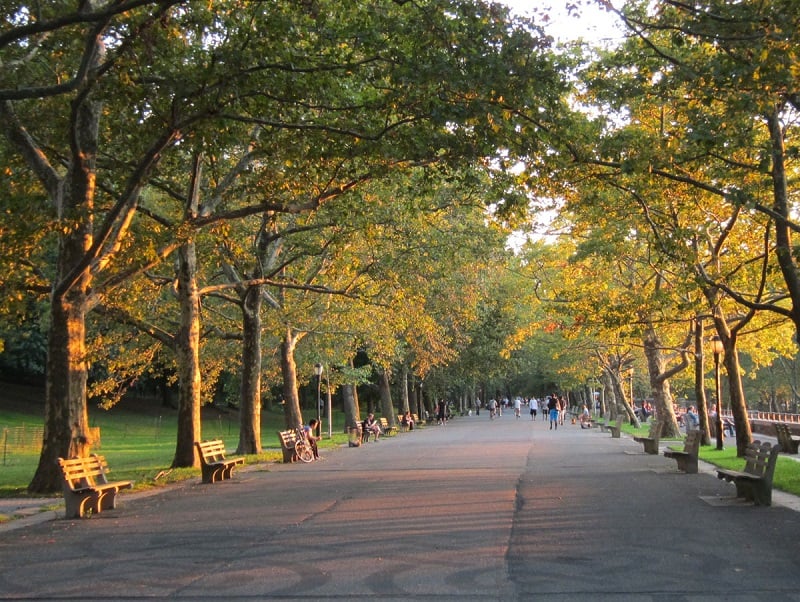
475, 510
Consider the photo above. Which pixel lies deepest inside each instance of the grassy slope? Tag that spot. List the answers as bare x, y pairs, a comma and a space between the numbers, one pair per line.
137, 438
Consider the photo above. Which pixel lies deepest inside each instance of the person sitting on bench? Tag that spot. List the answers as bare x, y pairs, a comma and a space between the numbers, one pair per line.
372, 426
309, 430
586, 418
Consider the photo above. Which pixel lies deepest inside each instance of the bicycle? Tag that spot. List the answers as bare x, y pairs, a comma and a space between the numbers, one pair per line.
302, 448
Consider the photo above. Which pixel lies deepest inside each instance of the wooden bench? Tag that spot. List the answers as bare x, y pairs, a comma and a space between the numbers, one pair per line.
288, 439
615, 429
754, 483
650, 443
213, 464
687, 457
87, 489
788, 443
386, 428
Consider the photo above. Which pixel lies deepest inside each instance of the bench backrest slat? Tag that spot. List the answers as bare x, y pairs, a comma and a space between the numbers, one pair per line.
80, 473
288, 438
211, 451
692, 443
760, 459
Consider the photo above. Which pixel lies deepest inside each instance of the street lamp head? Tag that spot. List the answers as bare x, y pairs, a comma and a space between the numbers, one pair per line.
716, 345
318, 369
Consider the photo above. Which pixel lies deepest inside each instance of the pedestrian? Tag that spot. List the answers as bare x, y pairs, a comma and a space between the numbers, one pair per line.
552, 407
533, 403
691, 419
492, 408
441, 416
517, 407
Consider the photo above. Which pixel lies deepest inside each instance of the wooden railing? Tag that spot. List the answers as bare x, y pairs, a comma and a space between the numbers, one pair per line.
768, 416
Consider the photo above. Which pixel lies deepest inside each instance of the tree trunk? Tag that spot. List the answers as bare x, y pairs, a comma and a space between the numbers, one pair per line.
744, 434
404, 401
66, 431
292, 414
385, 390
659, 382
352, 416
621, 405
413, 397
609, 396
187, 354
699, 381
785, 251
250, 403
66, 421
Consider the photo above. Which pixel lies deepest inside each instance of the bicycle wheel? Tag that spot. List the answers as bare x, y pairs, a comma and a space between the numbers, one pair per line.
304, 452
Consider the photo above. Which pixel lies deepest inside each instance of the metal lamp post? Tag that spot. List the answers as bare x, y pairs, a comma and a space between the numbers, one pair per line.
328, 407
318, 369
718, 348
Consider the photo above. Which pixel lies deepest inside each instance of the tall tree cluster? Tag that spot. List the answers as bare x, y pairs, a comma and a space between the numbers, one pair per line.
201, 159
189, 188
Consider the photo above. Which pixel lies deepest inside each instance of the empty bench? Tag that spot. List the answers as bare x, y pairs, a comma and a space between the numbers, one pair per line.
87, 489
215, 467
386, 428
788, 443
650, 443
754, 483
687, 457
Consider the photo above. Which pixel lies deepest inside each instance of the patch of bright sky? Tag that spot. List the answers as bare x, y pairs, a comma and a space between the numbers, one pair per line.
568, 20
565, 21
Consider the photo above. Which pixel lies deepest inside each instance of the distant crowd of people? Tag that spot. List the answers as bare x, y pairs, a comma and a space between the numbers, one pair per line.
552, 408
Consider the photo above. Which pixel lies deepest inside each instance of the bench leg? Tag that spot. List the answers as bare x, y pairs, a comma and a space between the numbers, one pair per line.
650, 447
762, 495
757, 492
687, 464
107, 500
77, 504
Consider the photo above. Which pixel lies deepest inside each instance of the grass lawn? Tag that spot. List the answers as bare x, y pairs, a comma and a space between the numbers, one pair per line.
137, 438
787, 470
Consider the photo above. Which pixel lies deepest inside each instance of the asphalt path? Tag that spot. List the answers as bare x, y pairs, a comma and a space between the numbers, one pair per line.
474, 510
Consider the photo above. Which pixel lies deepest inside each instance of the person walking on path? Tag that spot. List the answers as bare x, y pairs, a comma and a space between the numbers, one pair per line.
533, 404
441, 412
552, 407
